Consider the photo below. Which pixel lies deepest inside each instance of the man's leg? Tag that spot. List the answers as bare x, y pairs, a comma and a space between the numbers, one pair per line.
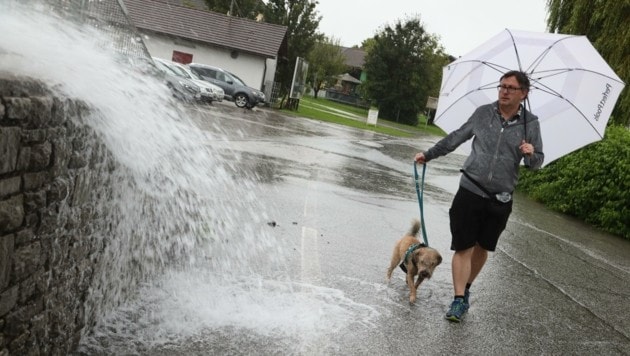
462, 269
478, 259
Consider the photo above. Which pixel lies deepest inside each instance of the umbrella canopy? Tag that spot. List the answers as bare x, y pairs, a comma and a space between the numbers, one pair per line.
573, 90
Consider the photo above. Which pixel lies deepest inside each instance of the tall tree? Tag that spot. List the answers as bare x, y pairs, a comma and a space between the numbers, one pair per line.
325, 62
403, 68
606, 23
240, 8
302, 21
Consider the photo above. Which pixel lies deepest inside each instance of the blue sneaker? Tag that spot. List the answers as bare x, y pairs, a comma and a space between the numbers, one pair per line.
457, 310
467, 298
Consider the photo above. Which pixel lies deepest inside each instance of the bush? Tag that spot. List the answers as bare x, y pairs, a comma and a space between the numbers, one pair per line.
592, 184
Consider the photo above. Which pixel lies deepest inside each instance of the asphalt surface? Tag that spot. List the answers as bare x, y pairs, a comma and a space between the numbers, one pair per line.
338, 198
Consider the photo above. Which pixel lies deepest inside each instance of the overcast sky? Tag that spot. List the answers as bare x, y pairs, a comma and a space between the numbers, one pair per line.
460, 24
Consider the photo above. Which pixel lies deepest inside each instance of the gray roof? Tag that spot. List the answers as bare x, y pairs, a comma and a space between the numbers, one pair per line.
348, 78
355, 57
170, 18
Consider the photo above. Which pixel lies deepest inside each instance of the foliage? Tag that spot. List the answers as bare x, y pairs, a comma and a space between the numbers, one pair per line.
401, 70
607, 26
242, 8
325, 62
302, 22
592, 184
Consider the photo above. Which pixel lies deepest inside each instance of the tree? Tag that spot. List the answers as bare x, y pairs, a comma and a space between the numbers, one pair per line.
403, 66
325, 61
607, 26
240, 8
302, 22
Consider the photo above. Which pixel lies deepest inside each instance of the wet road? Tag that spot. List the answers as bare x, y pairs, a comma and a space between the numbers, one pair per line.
340, 197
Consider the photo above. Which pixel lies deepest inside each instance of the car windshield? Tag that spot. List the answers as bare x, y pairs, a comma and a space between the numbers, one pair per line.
193, 74
164, 68
180, 71
236, 79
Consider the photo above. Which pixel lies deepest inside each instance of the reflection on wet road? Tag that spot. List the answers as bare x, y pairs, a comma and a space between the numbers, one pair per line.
339, 198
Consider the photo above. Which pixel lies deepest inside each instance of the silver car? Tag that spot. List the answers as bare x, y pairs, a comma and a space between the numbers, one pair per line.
181, 88
235, 89
209, 92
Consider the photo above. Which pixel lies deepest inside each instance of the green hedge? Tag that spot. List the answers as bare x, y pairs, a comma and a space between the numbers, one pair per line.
592, 184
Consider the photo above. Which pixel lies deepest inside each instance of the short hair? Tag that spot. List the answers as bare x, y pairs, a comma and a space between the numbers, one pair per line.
521, 78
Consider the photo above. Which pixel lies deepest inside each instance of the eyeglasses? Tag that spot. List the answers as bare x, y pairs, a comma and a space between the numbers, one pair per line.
509, 89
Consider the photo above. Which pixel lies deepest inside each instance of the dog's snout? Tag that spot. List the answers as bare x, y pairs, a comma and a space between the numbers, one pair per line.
425, 274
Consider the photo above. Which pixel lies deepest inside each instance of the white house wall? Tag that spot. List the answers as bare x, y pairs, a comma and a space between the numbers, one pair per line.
250, 68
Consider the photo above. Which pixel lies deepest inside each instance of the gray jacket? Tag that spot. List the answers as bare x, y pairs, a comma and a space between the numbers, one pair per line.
495, 155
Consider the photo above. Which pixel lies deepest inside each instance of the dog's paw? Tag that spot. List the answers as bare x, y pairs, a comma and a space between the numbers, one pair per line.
412, 299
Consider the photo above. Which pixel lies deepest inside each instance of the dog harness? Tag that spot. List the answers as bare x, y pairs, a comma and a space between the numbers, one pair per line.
408, 253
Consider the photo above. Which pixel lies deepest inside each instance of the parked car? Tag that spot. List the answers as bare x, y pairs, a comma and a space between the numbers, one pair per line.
209, 92
235, 89
181, 88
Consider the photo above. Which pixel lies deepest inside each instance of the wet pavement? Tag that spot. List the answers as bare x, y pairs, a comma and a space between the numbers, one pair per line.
338, 198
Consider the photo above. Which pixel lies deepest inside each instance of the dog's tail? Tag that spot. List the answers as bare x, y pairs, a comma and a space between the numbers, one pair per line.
415, 227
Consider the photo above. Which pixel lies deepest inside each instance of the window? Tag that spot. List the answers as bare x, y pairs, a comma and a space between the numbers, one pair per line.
181, 57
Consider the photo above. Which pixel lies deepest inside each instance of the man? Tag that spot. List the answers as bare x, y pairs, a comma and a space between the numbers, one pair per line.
504, 133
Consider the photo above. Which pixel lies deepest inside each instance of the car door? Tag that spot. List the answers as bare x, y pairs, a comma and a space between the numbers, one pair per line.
225, 82
213, 76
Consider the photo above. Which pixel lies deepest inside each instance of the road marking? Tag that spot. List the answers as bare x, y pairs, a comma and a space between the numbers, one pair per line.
311, 271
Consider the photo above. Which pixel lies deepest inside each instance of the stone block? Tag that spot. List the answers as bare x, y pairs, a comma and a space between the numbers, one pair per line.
24, 236
40, 156
81, 191
9, 186
17, 108
7, 246
34, 136
78, 160
9, 148
61, 157
41, 111
27, 259
36, 180
34, 201
11, 213
8, 300
58, 190
24, 157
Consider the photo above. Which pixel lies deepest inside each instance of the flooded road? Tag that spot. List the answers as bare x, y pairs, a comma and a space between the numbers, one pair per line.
336, 199
340, 197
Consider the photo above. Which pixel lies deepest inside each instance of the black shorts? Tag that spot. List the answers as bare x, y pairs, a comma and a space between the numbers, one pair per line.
477, 220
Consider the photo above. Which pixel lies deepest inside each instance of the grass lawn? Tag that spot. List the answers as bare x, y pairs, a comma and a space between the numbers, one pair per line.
348, 115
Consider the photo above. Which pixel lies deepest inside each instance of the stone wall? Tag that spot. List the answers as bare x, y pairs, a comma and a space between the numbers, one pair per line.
52, 184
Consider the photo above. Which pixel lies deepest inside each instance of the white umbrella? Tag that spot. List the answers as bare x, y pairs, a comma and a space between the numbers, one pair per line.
573, 90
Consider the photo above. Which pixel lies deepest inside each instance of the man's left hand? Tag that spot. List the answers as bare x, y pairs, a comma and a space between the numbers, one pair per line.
526, 148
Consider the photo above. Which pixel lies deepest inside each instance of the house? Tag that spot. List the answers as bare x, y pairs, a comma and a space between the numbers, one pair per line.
355, 59
181, 31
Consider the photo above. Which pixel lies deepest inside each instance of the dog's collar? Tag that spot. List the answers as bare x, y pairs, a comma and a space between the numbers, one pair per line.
413, 248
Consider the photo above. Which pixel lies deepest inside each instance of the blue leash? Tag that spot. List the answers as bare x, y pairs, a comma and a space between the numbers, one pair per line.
420, 195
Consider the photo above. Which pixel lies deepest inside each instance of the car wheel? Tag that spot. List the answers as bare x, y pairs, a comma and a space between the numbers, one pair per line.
241, 100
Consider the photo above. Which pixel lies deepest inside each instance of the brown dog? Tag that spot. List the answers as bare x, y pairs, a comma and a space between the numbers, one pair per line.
416, 258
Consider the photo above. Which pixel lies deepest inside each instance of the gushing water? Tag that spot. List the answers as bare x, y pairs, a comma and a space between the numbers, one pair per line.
174, 200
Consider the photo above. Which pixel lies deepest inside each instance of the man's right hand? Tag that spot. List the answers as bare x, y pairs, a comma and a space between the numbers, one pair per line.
420, 158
